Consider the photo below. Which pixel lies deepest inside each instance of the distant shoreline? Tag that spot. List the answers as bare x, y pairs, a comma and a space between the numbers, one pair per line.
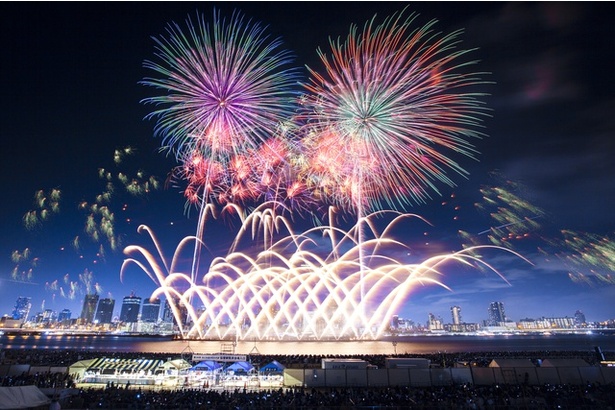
433, 343
387, 338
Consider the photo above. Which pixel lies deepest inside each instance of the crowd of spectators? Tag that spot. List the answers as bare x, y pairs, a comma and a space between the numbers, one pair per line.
55, 358
48, 379
593, 396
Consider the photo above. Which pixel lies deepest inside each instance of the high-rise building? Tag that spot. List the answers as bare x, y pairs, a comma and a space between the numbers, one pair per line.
435, 322
49, 316
496, 313
130, 309
579, 319
456, 314
167, 313
150, 310
64, 315
104, 313
89, 307
22, 308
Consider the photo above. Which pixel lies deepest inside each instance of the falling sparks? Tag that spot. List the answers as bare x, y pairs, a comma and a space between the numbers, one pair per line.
46, 205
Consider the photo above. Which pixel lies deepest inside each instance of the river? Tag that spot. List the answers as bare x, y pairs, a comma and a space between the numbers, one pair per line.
407, 344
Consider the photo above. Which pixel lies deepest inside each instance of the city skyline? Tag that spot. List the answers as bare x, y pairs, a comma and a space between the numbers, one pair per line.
150, 311
562, 158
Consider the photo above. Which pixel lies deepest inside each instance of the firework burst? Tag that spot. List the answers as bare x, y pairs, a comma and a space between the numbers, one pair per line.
226, 86
392, 99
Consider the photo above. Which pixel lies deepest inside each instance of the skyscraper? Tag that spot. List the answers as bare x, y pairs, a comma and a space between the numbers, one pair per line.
496, 313
89, 307
150, 310
456, 314
22, 308
64, 315
130, 309
167, 313
104, 313
48, 316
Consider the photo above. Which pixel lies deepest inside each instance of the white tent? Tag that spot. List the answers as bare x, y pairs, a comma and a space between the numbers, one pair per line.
111, 366
22, 397
511, 363
77, 370
173, 366
558, 362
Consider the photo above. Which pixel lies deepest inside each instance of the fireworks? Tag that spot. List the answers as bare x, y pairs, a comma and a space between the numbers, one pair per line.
73, 289
100, 220
371, 134
377, 132
589, 257
513, 218
226, 86
394, 100
100, 224
45, 206
262, 175
303, 286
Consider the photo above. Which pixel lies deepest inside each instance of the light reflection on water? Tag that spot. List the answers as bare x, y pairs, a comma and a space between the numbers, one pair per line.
416, 344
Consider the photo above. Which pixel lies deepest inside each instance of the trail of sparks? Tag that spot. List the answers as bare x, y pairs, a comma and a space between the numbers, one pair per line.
303, 286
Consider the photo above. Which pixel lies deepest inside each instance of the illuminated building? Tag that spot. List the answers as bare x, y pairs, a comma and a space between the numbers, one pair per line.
130, 309
456, 314
435, 323
22, 308
167, 313
89, 308
150, 310
496, 313
64, 315
48, 316
104, 313
395, 322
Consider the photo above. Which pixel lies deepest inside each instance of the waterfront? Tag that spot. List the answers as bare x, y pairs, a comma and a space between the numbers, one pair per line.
407, 344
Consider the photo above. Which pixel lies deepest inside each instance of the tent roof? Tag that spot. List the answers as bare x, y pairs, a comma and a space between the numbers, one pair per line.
511, 363
178, 364
206, 365
245, 366
22, 397
274, 366
82, 364
576, 362
104, 363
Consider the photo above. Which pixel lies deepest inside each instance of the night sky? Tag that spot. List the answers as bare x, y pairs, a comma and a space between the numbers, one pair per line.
70, 91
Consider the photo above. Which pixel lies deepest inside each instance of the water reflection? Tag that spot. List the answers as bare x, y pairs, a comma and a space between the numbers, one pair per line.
416, 344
